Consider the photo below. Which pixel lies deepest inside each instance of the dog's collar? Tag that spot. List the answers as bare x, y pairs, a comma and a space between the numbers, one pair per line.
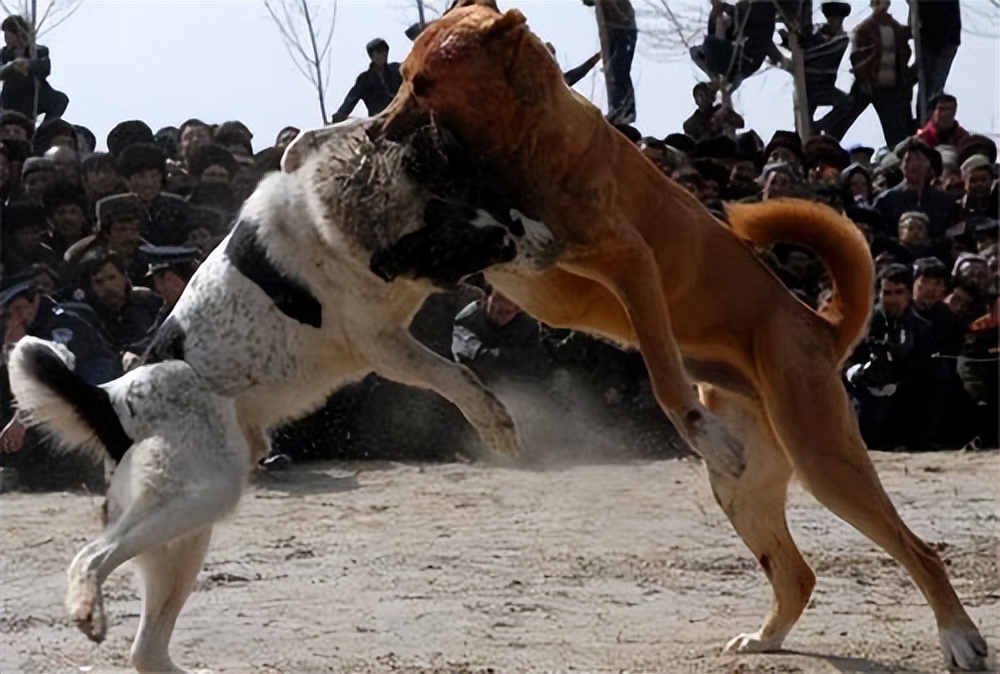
249, 256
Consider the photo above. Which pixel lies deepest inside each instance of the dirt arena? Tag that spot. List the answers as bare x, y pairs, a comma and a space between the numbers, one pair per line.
624, 566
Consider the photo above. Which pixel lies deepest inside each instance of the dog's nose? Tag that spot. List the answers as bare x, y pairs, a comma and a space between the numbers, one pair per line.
403, 116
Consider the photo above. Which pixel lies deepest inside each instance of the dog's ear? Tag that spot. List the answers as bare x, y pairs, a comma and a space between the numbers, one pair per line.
509, 20
524, 56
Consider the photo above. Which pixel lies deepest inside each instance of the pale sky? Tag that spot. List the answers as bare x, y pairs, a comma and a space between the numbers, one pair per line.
163, 61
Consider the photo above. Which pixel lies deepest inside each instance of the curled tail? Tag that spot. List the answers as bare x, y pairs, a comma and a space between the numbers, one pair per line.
50, 394
837, 242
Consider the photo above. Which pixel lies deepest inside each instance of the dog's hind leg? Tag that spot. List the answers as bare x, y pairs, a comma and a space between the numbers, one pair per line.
754, 502
401, 358
156, 514
167, 574
810, 412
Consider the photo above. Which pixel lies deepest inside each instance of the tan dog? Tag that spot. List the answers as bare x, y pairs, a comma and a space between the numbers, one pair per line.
644, 263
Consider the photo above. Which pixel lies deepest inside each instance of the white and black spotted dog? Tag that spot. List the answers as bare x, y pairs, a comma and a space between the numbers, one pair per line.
292, 304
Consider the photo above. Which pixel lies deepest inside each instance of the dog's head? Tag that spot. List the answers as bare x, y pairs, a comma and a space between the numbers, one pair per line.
475, 68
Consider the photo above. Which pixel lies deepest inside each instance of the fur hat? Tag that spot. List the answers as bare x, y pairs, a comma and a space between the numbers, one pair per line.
139, 157
830, 9
788, 139
119, 206
12, 285
126, 133
19, 215
977, 144
977, 161
36, 164
17, 119
929, 266
212, 154
61, 193
48, 131
824, 150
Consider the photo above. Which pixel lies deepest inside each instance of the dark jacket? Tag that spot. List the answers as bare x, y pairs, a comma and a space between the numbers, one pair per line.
71, 325
940, 24
376, 88
866, 52
19, 90
935, 203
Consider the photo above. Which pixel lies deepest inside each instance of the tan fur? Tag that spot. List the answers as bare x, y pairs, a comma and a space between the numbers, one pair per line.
644, 263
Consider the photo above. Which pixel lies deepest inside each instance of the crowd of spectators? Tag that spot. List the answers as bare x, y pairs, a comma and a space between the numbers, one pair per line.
98, 245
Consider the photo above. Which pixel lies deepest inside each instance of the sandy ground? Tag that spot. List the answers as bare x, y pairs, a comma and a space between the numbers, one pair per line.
474, 568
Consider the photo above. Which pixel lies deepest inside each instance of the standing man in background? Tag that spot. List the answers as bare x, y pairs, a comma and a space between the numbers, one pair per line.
375, 86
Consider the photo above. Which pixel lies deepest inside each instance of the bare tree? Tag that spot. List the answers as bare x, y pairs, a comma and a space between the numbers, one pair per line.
668, 29
42, 16
306, 28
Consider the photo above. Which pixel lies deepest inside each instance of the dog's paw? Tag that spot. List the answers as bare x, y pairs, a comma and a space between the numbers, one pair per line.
964, 649
752, 643
86, 608
537, 248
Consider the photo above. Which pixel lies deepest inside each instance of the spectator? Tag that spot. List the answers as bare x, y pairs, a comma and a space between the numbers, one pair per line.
978, 178
741, 52
54, 133
213, 163
170, 268
888, 371
822, 52
971, 273
949, 409
28, 312
128, 133
879, 55
25, 69
920, 164
618, 17
943, 128
286, 136
125, 314
120, 220
498, 341
101, 178
710, 118
786, 147
779, 180
66, 162
66, 210
144, 167
375, 86
856, 186
15, 125
37, 173
940, 26
977, 368
24, 226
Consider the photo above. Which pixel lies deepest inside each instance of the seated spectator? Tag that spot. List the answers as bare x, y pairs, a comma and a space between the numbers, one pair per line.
54, 133
823, 160
17, 126
498, 341
912, 241
125, 314
66, 210
286, 136
25, 69
977, 368
857, 187
784, 146
36, 175
170, 268
943, 128
192, 134
779, 180
949, 410
100, 178
127, 133
920, 164
66, 162
971, 273
888, 371
28, 312
978, 177
144, 167
24, 226
120, 220
213, 163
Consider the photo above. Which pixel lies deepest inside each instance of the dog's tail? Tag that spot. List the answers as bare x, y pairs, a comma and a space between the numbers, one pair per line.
49, 393
837, 242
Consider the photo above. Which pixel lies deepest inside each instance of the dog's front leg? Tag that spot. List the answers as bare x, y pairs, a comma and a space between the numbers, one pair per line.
627, 267
403, 359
